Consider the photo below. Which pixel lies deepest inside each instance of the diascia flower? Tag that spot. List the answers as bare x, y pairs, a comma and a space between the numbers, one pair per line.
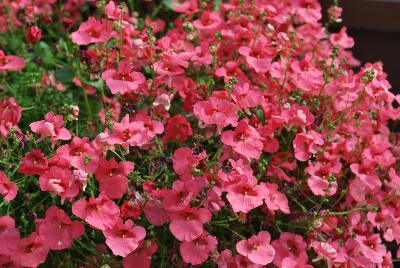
215, 111
187, 225
34, 163
123, 80
197, 251
93, 31
257, 248
7, 189
58, 229
10, 63
10, 114
113, 177
306, 144
244, 140
101, 212
31, 251
61, 182
9, 235
178, 129
141, 257
51, 127
124, 238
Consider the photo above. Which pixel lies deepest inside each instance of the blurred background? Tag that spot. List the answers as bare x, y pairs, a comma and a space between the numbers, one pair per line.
375, 27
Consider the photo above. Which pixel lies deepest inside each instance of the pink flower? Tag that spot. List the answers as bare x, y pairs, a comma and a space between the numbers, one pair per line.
215, 111
51, 127
371, 247
113, 177
9, 235
7, 189
33, 163
57, 229
155, 212
197, 251
181, 194
34, 35
289, 245
188, 6
342, 39
10, 114
178, 129
124, 238
31, 251
259, 55
322, 186
101, 213
187, 225
59, 181
257, 248
306, 144
128, 133
184, 160
208, 22
244, 140
274, 199
123, 80
141, 257
11, 63
245, 195
93, 31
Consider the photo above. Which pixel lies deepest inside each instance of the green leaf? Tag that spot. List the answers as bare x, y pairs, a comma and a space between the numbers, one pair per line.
64, 75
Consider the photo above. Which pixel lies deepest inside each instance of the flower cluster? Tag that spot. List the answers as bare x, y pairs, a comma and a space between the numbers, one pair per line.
234, 134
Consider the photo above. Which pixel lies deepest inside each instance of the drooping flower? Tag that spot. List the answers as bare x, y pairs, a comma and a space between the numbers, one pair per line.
101, 212
124, 238
57, 229
257, 248
34, 34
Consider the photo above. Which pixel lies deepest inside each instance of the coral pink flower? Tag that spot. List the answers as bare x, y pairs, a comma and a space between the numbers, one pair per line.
34, 35
274, 199
57, 229
123, 80
215, 111
177, 129
187, 225
11, 63
93, 31
31, 251
51, 127
184, 160
342, 39
80, 154
306, 144
208, 22
197, 251
9, 235
258, 56
289, 245
113, 177
101, 212
245, 195
244, 140
155, 212
128, 133
322, 186
10, 114
371, 247
188, 6
131, 210
59, 181
306, 76
245, 97
124, 238
34, 163
141, 257
179, 197
257, 248
7, 189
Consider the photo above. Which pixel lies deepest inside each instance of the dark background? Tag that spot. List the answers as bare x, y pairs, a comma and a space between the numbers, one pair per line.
375, 27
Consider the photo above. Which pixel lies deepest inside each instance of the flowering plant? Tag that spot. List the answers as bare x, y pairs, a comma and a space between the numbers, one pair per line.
192, 133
